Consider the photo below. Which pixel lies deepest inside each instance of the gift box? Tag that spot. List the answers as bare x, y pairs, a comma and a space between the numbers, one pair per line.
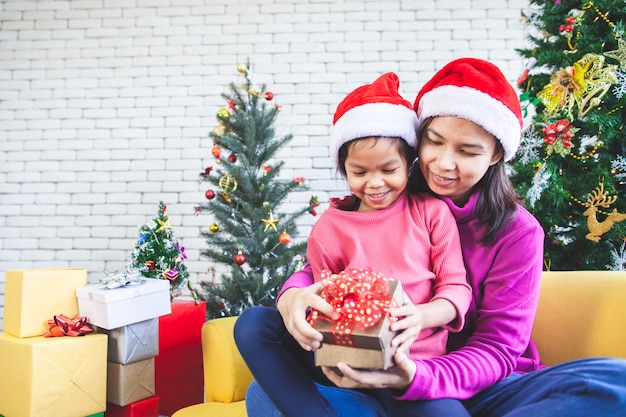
133, 342
361, 337
113, 308
178, 368
53, 377
131, 382
148, 407
32, 296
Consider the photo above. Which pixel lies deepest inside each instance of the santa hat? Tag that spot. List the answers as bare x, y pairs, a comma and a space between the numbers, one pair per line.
475, 90
375, 109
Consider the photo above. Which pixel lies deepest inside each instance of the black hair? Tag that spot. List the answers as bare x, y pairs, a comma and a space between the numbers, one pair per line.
406, 151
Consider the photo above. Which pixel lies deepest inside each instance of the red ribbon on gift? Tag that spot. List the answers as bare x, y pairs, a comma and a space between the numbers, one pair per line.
360, 296
62, 325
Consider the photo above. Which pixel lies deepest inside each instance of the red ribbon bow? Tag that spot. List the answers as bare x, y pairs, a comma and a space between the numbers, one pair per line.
360, 296
64, 326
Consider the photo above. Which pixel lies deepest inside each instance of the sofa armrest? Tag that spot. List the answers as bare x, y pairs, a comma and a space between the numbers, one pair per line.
581, 314
226, 376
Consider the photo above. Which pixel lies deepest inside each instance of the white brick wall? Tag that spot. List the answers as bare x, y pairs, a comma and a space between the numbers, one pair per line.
105, 106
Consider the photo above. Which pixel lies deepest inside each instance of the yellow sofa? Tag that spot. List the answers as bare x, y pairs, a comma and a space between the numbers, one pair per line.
580, 314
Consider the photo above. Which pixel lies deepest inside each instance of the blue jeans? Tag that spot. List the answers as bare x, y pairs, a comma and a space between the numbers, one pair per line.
582, 388
288, 384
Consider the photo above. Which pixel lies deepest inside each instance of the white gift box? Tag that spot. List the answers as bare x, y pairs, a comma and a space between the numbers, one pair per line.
113, 308
133, 342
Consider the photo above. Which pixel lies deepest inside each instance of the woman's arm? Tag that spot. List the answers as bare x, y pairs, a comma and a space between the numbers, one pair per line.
506, 307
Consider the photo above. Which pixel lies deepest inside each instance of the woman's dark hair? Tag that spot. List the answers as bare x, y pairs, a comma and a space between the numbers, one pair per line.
404, 149
497, 202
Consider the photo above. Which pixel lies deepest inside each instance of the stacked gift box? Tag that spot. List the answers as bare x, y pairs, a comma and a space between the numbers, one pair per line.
179, 372
49, 376
129, 316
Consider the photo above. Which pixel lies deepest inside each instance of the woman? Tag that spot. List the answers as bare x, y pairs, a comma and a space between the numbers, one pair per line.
470, 124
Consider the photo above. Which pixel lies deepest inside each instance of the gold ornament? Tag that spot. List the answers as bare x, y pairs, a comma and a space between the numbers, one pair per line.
163, 225
242, 68
227, 184
223, 115
600, 198
219, 130
581, 85
619, 54
214, 228
270, 222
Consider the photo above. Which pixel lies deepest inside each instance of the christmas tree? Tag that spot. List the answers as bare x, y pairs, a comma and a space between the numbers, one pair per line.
571, 166
251, 236
158, 254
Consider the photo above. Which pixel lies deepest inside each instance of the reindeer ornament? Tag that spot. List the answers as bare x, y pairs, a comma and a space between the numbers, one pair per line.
600, 198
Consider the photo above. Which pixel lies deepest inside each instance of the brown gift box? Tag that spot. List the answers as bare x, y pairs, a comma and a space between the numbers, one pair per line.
127, 383
371, 350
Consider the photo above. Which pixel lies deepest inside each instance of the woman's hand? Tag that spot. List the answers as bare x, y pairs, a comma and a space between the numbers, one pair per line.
293, 305
398, 377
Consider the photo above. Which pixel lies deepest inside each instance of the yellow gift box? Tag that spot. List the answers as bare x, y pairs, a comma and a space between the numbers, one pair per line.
53, 377
34, 296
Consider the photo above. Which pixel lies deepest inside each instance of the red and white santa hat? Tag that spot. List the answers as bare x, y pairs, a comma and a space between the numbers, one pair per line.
375, 109
475, 90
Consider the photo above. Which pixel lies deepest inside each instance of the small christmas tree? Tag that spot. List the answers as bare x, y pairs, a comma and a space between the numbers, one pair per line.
158, 254
571, 165
250, 235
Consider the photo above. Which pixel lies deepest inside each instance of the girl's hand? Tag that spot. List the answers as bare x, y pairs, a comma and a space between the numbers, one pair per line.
409, 324
293, 306
398, 377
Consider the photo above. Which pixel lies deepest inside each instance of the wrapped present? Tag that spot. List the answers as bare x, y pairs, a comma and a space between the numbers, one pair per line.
361, 336
33, 296
113, 308
53, 377
131, 382
148, 407
133, 342
178, 368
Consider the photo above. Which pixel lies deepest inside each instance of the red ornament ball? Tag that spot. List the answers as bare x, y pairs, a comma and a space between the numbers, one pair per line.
232, 158
284, 238
210, 194
216, 151
269, 95
240, 258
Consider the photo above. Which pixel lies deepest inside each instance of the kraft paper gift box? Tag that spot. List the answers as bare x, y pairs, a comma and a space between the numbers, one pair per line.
33, 296
133, 342
131, 382
178, 368
113, 308
148, 407
53, 377
361, 348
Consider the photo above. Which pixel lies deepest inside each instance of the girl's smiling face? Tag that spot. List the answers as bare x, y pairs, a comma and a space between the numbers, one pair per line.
376, 171
454, 155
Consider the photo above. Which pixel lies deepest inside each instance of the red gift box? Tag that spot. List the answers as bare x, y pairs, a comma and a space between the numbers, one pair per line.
148, 407
179, 377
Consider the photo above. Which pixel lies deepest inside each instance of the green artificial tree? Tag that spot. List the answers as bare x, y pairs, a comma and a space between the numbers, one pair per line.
158, 254
571, 166
251, 235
